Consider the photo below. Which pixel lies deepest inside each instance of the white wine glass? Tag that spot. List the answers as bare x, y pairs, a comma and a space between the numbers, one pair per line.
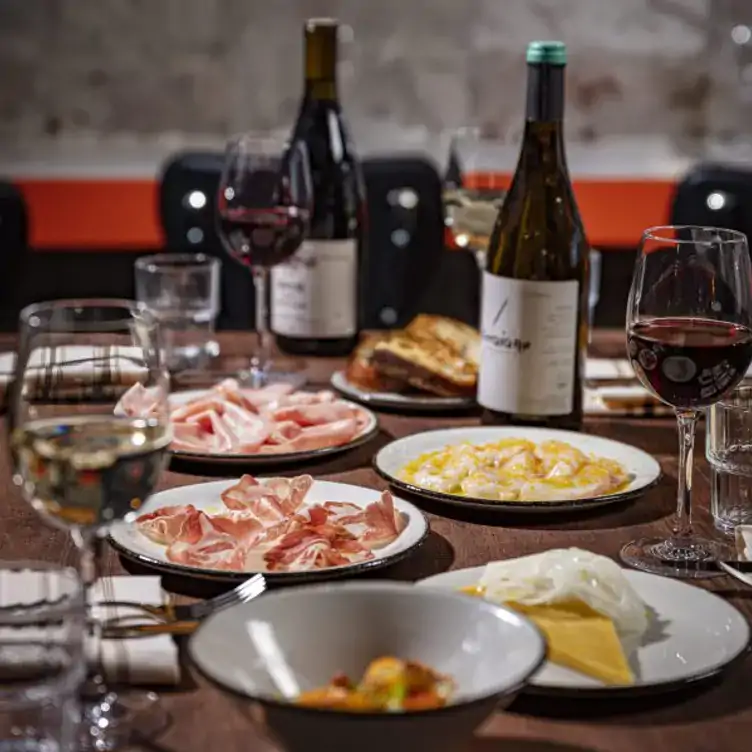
689, 339
264, 204
82, 463
475, 189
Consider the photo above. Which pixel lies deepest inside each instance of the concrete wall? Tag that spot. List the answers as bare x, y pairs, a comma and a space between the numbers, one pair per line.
139, 70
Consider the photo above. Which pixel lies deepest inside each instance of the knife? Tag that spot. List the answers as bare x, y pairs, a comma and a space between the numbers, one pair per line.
131, 631
720, 565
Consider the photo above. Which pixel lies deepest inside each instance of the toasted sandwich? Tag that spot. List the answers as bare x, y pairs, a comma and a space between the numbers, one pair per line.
362, 372
434, 354
461, 337
426, 364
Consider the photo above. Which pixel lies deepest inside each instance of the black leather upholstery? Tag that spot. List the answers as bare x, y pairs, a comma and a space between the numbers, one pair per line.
405, 233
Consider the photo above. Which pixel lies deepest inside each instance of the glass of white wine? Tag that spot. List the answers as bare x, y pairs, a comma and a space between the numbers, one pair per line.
475, 188
80, 462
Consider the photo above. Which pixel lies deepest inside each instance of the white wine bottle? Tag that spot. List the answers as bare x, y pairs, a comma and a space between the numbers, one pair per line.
535, 285
315, 300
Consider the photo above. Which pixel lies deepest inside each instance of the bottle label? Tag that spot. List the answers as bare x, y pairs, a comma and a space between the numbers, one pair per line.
529, 346
314, 294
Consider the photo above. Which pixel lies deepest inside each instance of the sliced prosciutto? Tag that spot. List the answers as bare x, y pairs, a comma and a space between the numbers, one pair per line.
272, 501
167, 524
229, 419
268, 526
139, 401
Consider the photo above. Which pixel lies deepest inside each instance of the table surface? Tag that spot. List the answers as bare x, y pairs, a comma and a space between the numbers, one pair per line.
709, 719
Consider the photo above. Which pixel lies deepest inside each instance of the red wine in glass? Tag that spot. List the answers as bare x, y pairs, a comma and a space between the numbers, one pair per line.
263, 237
689, 362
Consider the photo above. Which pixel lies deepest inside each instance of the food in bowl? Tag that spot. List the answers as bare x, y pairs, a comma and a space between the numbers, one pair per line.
516, 470
592, 617
293, 639
388, 685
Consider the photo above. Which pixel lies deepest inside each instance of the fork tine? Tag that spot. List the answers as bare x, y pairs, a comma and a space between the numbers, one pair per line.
241, 594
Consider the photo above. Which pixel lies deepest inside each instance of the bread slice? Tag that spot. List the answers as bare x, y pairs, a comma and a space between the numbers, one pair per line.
361, 371
461, 337
426, 364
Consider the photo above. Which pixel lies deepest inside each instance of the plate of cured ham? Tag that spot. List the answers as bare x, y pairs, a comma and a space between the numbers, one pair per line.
269, 426
290, 529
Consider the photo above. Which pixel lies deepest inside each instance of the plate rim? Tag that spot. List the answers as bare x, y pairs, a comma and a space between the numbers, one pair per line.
339, 381
277, 459
611, 692
530, 507
219, 575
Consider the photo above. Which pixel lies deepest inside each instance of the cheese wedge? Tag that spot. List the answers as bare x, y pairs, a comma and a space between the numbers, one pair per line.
578, 637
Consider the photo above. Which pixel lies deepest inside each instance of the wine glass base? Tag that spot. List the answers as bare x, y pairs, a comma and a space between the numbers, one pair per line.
108, 722
278, 372
686, 558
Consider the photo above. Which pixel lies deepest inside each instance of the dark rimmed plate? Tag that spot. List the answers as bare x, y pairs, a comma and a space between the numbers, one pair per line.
694, 636
395, 401
269, 460
127, 540
643, 469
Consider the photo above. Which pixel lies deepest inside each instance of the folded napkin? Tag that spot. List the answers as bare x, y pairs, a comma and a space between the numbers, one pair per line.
142, 660
631, 399
611, 369
608, 369
743, 534
76, 361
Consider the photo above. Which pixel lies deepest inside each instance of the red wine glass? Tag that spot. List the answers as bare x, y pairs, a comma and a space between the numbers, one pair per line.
689, 339
265, 200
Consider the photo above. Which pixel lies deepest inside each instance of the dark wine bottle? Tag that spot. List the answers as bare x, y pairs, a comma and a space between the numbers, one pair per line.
315, 297
535, 286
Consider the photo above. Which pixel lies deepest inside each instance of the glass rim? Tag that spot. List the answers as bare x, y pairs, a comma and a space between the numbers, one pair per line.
138, 312
259, 138
727, 403
191, 261
662, 233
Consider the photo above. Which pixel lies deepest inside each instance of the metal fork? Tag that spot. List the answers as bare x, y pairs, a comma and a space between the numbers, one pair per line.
169, 612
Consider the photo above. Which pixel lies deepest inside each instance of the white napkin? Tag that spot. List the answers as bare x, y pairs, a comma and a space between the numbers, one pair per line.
142, 660
743, 535
608, 369
77, 360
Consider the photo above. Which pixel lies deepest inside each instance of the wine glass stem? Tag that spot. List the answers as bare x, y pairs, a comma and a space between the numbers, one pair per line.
90, 547
687, 420
261, 360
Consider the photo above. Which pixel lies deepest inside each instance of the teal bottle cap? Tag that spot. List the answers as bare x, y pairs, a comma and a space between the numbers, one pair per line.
553, 53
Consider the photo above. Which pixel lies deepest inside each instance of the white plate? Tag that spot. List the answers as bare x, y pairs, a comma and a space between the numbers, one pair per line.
268, 460
395, 400
644, 470
694, 636
129, 541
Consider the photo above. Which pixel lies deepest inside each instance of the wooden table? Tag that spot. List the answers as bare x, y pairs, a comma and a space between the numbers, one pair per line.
714, 718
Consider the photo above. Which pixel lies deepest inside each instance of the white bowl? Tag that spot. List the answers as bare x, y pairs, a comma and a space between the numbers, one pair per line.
289, 641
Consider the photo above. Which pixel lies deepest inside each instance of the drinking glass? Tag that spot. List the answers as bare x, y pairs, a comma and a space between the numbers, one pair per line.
182, 291
42, 657
728, 449
89, 429
264, 205
689, 340
474, 191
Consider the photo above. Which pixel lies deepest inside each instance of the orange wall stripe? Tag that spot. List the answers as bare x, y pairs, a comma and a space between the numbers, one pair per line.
122, 215
86, 215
